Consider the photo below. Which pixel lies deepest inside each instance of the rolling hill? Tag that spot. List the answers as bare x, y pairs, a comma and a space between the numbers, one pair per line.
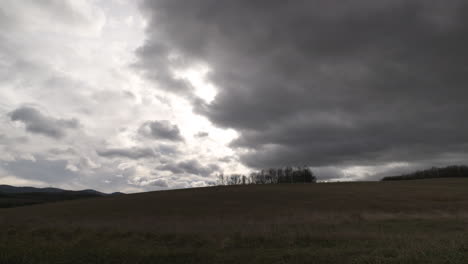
422, 221
12, 196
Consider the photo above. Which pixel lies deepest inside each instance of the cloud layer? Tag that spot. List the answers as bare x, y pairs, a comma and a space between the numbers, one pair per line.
76, 114
116, 97
320, 82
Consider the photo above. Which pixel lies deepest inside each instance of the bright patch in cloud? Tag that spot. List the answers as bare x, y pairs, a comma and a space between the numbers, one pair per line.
197, 78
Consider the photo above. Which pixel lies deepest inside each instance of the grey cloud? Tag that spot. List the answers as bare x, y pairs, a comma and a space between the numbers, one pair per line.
130, 153
60, 151
325, 83
162, 130
16, 15
226, 159
394, 172
62, 10
189, 166
7, 140
328, 173
153, 68
159, 183
172, 167
38, 123
39, 68
140, 152
40, 169
202, 134
168, 150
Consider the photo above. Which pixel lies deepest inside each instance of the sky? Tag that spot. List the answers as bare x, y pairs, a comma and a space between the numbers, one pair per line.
160, 94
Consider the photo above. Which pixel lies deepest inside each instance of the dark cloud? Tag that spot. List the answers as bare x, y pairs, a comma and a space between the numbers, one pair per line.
154, 68
162, 130
38, 123
130, 153
323, 82
189, 166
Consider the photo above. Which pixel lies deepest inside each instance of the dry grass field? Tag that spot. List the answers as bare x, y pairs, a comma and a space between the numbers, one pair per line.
421, 221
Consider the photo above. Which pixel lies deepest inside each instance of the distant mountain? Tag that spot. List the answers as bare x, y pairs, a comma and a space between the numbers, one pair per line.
13, 189
11, 196
117, 193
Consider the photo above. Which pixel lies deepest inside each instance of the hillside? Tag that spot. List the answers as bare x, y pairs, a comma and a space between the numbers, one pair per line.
13, 189
12, 196
421, 221
432, 173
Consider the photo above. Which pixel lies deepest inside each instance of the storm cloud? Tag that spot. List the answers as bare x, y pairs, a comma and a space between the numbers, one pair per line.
323, 82
127, 96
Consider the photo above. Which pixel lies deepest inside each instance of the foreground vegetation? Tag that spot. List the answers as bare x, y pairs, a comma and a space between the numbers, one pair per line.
382, 222
22, 199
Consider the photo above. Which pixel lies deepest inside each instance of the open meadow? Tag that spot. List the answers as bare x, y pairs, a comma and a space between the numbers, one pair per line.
420, 221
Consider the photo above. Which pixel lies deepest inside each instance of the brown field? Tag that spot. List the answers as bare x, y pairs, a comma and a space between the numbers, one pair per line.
422, 221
